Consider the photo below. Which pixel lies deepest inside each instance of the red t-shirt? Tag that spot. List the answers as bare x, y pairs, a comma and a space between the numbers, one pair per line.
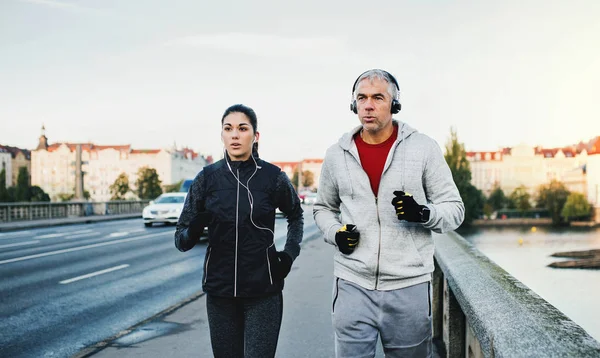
373, 157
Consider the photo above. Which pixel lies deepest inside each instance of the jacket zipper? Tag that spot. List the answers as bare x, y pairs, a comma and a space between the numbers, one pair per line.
379, 247
237, 212
206, 266
269, 263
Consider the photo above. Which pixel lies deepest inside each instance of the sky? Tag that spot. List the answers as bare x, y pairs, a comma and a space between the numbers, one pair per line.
155, 74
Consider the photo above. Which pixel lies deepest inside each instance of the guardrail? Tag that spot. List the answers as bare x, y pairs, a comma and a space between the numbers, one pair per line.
10, 212
479, 310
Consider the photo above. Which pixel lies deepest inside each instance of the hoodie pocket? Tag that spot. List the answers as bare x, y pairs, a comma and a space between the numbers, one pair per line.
400, 255
417, 253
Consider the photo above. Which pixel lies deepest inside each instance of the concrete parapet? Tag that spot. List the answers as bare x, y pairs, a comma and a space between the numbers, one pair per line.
502, 317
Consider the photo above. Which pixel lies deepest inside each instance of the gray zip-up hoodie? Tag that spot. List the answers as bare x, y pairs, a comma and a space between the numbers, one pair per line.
391, 254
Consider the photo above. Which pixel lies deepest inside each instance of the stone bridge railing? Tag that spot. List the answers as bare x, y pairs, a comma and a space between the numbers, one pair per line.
482, 311
10, 212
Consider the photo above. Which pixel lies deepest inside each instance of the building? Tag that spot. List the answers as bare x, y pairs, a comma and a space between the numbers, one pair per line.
577, 167
6, 165
311, 165
53, 166
12, 159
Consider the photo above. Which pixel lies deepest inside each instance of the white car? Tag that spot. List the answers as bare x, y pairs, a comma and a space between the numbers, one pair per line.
164, 209
310, 198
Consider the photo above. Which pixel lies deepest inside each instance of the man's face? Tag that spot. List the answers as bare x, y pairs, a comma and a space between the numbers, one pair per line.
374, 104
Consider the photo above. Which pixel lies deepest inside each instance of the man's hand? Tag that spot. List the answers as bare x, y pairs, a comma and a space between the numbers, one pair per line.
347, 238
407, 208
197, 225
284, 264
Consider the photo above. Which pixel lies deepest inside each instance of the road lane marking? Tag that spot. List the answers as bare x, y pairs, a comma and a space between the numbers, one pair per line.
13, 233
20, 244
57, 252
119, 234
82, 277
77, 232
47, 236
82, 235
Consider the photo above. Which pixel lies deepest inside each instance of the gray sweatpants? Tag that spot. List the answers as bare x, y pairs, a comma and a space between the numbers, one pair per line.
402, 318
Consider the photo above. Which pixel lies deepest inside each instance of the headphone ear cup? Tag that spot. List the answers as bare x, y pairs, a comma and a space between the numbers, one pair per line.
353, 107
395, 106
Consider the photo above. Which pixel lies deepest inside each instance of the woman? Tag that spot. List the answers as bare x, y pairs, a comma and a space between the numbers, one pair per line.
236, 199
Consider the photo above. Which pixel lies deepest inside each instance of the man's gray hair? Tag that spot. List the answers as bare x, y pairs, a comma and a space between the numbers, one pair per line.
380, 75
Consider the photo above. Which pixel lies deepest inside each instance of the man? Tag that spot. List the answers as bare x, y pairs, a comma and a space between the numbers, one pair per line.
384, 188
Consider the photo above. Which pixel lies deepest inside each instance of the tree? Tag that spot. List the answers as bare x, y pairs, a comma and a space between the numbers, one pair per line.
520, 198
488, 210
120, 187
553, 197
148, 183
22, 187
65, 196
308, 178
497, 199
295, 180
473, 198
3, 192
576, 206
173, 188
11, 194
38, 194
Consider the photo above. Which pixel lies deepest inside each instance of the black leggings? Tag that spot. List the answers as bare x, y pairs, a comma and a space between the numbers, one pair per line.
244, 327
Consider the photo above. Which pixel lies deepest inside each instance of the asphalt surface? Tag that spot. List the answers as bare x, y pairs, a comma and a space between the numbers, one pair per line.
117, 289
65, 288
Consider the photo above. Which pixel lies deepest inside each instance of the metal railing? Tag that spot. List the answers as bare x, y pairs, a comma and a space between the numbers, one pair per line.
10, 212
479, 310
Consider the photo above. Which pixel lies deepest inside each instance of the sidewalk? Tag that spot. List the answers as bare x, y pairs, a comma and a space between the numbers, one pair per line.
182, 331
31, 224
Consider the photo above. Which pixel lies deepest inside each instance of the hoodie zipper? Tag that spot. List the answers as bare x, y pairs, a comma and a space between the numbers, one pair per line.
378, 224
379, 247
237, 213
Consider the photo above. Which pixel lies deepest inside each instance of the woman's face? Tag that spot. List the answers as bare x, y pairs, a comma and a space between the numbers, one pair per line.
238, 136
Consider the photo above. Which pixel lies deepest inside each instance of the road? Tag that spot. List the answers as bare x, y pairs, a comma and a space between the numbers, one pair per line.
65, 288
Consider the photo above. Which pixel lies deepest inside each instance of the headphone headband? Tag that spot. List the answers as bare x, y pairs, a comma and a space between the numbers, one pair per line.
389, 76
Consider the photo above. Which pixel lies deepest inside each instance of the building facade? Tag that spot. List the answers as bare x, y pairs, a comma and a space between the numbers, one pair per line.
577, 167
12, 159
6, 164
312, 165
53, 166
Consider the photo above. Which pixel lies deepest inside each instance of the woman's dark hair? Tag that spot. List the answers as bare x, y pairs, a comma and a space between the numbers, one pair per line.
249, 112
240, 108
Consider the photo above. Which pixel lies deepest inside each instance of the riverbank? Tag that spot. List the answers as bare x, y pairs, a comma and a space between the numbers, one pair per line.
585, 259
527, 222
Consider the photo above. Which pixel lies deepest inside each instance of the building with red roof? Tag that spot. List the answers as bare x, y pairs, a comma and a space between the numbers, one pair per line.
53, 166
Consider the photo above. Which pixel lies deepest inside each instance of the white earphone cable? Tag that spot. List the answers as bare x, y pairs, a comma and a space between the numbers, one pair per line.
250, 197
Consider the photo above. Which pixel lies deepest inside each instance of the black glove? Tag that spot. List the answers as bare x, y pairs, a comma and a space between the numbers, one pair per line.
407, 208
346, 239
197, 225
284, 264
